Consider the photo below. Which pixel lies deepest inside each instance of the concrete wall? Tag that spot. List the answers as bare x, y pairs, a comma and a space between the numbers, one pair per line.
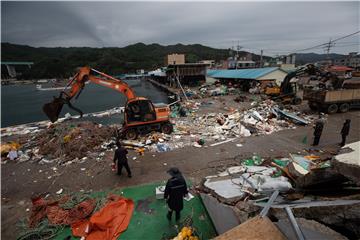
222, 216
277, 75
174, 59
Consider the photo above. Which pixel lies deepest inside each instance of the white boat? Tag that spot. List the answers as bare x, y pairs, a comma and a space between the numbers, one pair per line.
40, 88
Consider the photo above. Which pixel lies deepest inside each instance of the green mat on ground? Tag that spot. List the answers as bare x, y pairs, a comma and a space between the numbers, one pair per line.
149, 217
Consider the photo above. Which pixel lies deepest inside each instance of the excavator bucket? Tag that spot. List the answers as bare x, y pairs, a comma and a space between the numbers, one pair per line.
53, 109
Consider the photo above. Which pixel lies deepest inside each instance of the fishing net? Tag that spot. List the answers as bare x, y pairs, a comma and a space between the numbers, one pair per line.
44, 230
58, 215
48, 217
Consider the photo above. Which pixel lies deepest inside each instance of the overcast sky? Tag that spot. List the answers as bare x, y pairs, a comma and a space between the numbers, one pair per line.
276, 27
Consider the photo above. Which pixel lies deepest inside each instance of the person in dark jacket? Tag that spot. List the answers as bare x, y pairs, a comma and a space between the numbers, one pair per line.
120, 159
345, 131
319, 125
175, 190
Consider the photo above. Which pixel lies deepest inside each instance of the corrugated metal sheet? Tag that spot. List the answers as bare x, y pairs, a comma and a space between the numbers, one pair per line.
251, 73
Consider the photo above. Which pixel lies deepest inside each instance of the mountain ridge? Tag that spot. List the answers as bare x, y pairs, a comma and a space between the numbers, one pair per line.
62, 61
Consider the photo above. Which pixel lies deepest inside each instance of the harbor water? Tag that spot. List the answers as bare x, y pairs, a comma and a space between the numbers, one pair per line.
23, 103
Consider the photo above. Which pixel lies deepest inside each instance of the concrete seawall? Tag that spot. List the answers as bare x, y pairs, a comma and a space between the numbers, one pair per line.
169, 91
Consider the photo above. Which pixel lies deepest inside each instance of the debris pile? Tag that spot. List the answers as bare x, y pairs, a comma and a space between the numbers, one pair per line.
5, 148
265, 118
211, 129
238, 182
210, 90
30, 128
69, 140
241, 191
66, 142
24, 129
214, 90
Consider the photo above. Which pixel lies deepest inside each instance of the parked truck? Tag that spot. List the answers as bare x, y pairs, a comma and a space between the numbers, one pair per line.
332, 101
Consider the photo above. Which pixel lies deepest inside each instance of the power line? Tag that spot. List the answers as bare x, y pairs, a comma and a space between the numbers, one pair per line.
346, 36
349, 45
326, 44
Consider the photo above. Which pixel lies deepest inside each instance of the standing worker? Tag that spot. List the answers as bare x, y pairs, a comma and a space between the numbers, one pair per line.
345, 131
120, 159
175, 190
319, 125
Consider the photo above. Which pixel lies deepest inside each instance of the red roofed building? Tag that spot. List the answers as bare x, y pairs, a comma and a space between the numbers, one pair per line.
340, 69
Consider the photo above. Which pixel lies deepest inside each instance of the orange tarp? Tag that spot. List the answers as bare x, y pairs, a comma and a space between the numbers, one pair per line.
108, 223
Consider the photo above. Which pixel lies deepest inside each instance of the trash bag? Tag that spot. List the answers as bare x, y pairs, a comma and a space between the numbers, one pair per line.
163, 147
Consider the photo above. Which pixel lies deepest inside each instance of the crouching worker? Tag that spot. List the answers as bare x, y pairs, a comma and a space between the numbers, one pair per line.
120, 160
175, 190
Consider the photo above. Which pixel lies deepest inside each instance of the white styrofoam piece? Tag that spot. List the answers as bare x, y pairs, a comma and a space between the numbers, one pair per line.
159, 192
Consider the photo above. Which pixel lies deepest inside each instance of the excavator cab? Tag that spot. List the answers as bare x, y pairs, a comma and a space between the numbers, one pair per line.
139, 110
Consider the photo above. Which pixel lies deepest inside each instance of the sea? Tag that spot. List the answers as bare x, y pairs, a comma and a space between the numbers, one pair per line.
22, 104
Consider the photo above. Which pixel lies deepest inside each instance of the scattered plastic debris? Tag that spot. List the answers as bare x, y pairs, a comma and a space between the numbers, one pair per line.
60, 191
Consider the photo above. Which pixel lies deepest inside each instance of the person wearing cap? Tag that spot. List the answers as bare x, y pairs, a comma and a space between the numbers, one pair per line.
175, 190
120, 159
345, 131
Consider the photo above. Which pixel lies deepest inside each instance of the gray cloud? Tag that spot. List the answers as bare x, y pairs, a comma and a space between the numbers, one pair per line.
277, 27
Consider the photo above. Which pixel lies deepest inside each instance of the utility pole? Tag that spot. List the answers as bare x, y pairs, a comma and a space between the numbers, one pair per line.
238, 47
233, 50
261, 58
232, 56
328, 47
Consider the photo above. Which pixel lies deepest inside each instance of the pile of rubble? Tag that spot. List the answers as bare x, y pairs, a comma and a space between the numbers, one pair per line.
70, 141
199, 130
30, 128
298, 187
67, 141
210, 90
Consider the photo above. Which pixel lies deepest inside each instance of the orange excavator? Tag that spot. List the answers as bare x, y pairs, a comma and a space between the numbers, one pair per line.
140, 116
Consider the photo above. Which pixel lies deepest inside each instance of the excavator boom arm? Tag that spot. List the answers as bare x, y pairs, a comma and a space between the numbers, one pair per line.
113, 83
85, 74
76, 85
